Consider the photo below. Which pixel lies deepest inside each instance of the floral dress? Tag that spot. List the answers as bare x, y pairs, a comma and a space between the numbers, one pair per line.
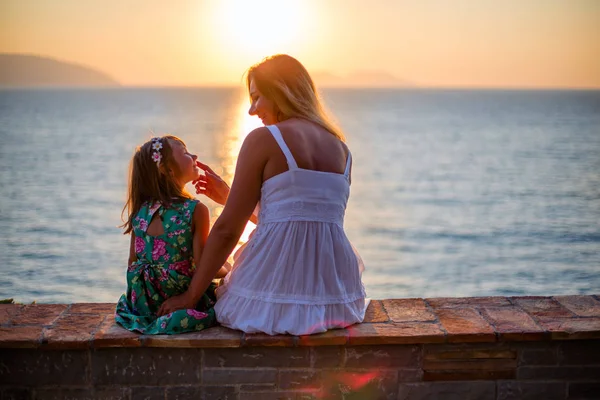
164, 268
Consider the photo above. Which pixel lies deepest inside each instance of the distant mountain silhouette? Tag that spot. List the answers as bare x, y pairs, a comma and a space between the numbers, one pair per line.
23, 70
365, 78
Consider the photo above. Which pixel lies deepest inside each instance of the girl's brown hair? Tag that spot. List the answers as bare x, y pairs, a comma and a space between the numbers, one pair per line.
284, 80
149, 181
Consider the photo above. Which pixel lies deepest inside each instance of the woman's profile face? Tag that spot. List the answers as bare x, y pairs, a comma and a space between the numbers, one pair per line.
262, 107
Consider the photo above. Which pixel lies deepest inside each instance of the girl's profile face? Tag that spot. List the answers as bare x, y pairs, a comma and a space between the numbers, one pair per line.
186, 162
262, 107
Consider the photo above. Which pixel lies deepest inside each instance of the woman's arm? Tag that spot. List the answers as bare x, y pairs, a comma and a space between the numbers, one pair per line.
224, 270
225, 234
200, 227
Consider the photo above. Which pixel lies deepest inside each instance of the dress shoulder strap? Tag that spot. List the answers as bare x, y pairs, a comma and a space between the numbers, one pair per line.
286, 151
348, 163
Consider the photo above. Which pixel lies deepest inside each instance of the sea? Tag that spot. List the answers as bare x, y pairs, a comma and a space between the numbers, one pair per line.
454, 192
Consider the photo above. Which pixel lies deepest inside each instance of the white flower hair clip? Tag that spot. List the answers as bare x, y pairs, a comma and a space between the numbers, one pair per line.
156, 146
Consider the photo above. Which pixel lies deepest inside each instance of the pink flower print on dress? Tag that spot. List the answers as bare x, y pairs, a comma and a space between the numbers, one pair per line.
196, 314
154, 207
139, 245
159, 249
143, 225
183, 267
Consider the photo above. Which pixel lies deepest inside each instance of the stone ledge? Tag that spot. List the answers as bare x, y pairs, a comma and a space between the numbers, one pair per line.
394, 321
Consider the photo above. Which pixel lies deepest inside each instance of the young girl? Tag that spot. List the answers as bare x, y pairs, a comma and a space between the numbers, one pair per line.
168, 230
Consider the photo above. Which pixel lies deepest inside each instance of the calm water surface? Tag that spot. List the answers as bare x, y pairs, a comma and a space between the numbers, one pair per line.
454, 193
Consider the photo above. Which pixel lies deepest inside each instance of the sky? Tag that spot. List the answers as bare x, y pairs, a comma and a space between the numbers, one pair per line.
448, 43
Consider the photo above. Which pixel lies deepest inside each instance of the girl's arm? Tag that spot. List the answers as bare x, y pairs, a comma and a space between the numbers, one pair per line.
225, 234
132, 255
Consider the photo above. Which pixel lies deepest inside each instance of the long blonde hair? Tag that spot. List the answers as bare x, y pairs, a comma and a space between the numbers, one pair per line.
149, 181
284, 80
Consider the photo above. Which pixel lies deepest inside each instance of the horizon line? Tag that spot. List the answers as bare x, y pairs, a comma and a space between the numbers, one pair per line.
357, 87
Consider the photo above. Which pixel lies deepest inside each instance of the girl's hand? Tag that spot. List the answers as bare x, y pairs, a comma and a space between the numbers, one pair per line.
211, 185
175, 303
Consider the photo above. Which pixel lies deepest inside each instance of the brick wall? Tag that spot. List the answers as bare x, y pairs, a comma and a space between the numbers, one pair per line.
455, 348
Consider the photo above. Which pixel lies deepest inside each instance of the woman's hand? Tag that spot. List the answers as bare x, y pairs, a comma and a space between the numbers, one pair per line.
175, 303
211, 185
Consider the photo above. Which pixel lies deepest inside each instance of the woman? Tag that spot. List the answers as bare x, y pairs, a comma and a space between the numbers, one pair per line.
298, 273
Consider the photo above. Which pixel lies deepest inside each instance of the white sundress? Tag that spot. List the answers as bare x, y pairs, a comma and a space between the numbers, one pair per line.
298, 273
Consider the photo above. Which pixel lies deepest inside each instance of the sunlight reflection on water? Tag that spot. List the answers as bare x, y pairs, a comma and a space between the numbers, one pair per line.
229, 150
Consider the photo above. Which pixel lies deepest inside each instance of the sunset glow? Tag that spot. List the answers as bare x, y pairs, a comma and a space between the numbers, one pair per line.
257, 28
436, 43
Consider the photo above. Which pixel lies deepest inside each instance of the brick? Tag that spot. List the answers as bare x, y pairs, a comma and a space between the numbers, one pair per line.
583, 390
559, 372
468, 362
16, 394
334, 337
33, 367
223, 376
580, 352
21, 336
408, 310
387, 356
72, 331
262, 339
328, 357
410, 374
38, 314
583, 306
513, 324
515, 390
262, 357
368, 384
83, 394
571, 328
183, 393
493, 364
7, 312
538, 354
278, 395
300, 379
396, 333
219, 393
263, 387
111, 334
447, 391
93, 308
455, 352
375, 312
542, 307
147, 393
217, 336
462, 302
467, 375
465, 325
146, 366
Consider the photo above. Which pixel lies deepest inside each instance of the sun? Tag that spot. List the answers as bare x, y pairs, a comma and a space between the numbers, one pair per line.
257, 28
